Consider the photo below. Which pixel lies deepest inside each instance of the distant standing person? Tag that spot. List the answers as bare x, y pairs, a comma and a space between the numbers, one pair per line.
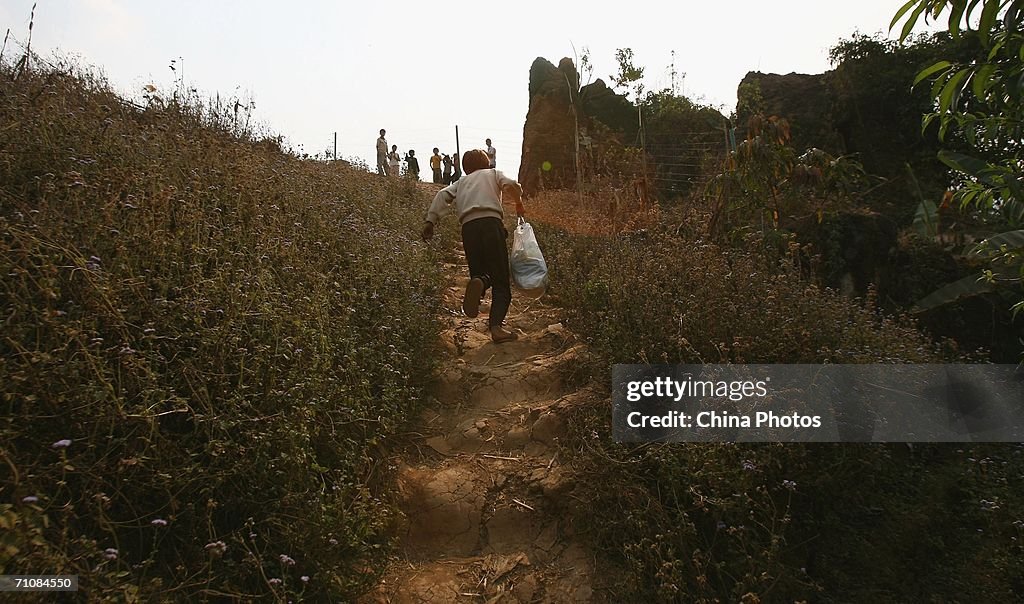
394, 161
457, 164
476, 200
447, 176
382, 154
435, 165
492, 154
412, 165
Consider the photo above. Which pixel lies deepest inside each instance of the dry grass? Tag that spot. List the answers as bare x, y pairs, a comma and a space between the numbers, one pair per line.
205, 342
604, 212
726, 522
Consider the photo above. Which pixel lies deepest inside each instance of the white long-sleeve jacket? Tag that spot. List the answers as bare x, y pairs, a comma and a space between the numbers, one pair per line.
477, 195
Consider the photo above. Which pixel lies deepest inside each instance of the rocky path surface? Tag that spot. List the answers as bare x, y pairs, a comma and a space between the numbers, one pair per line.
483, 493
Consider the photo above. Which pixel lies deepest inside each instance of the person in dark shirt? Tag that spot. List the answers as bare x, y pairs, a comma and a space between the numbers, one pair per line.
412, 165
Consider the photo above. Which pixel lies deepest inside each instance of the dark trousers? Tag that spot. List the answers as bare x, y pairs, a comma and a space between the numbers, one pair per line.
484, 241
437, 175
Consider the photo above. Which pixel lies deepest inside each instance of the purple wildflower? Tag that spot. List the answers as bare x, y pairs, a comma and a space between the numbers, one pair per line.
110, 553
286, 560
749, 466
274, 581
789, 484
158, 522
29, 499
304, 578
63, 443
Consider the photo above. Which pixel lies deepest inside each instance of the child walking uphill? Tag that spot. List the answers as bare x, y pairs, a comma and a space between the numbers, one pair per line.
477, 200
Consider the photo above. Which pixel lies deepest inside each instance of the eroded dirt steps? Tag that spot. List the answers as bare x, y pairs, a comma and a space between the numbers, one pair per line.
481, 488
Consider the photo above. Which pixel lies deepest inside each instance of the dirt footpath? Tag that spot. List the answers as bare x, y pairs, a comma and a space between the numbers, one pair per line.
484, 496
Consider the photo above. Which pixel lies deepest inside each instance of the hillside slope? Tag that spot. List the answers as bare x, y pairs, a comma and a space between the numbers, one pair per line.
205, 340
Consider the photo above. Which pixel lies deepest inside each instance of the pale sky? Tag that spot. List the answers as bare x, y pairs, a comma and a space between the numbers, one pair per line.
419, 68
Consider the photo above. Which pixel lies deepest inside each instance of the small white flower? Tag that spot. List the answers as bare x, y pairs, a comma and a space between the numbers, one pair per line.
217, 548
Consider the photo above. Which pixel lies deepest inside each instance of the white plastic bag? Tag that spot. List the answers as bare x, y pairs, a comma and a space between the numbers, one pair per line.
529, 271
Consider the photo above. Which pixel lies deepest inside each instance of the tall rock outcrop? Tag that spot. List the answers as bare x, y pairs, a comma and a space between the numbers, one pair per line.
606, 121
550, 129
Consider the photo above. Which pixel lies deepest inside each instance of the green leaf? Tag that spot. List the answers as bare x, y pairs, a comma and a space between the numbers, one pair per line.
970, 9
1011, 20
903, 10
963, 163
1000, 42
988, 18
944, 124
927, 71
927, 120
938, 84
982, 80
909, 25
970, 130
966, 287
954, 19
967, 197
951, 91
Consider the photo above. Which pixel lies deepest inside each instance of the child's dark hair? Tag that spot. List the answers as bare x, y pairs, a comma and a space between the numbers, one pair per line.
475, 159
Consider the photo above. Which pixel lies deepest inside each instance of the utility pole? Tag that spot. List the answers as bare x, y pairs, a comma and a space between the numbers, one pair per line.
458, 154
335, 146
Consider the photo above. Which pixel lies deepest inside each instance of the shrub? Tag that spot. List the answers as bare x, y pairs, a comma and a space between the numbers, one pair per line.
205, 342
770, 522
655, 296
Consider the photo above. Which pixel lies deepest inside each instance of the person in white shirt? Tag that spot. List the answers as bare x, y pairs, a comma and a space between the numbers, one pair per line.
477, 202
382, 154
394, 160
492, 154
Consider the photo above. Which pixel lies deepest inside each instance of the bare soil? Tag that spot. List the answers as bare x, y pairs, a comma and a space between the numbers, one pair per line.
483, 493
